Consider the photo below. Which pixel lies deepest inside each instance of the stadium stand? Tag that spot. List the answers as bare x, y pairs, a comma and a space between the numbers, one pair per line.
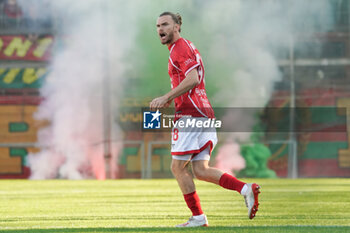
22, 31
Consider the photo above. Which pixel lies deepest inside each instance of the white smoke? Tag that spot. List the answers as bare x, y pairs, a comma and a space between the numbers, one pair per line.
247, 38
74, 92
249, 35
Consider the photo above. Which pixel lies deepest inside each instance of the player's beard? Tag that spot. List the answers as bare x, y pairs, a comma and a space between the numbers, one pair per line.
170, 38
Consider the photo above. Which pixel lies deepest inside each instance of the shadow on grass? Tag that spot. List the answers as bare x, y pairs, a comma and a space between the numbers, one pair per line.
271, 229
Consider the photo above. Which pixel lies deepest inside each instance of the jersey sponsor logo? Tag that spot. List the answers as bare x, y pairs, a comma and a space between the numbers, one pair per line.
188, 61
151, 120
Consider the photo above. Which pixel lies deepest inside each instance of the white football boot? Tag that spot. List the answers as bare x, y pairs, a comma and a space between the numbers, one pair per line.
197, 221
251, 199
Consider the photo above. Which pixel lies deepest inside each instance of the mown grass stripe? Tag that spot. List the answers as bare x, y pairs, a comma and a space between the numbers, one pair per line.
302, 205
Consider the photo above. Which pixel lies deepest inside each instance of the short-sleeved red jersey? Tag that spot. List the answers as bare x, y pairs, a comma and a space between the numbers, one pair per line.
183, 58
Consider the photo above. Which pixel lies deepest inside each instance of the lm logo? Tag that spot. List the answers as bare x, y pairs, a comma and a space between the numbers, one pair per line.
151, 120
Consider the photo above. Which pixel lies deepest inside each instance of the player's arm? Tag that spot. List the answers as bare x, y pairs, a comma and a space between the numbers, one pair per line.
187, 84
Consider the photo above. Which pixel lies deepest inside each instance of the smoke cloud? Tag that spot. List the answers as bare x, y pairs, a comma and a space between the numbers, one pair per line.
246, 39
75, 98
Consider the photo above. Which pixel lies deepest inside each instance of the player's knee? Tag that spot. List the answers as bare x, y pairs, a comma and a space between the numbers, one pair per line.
176, 168
200, 173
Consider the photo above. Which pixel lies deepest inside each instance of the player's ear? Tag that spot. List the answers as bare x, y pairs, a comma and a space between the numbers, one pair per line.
177, 27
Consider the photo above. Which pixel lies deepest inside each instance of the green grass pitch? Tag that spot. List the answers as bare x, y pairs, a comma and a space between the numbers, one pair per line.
61, 206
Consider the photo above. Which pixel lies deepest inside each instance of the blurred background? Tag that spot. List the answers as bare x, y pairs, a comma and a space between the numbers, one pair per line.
74, 76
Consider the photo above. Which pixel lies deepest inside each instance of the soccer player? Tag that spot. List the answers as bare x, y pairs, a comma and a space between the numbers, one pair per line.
186, 71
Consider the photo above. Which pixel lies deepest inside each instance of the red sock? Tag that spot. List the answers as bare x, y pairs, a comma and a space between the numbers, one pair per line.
193, 202
229, 182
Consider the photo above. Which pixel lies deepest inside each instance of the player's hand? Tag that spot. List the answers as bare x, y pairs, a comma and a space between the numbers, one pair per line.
168, 104
159, 102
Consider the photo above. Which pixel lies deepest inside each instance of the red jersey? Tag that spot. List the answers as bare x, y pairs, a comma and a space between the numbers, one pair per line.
183, 58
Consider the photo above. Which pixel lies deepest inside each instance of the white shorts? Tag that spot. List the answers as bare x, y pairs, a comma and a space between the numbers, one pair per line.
203, 155
188, 143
